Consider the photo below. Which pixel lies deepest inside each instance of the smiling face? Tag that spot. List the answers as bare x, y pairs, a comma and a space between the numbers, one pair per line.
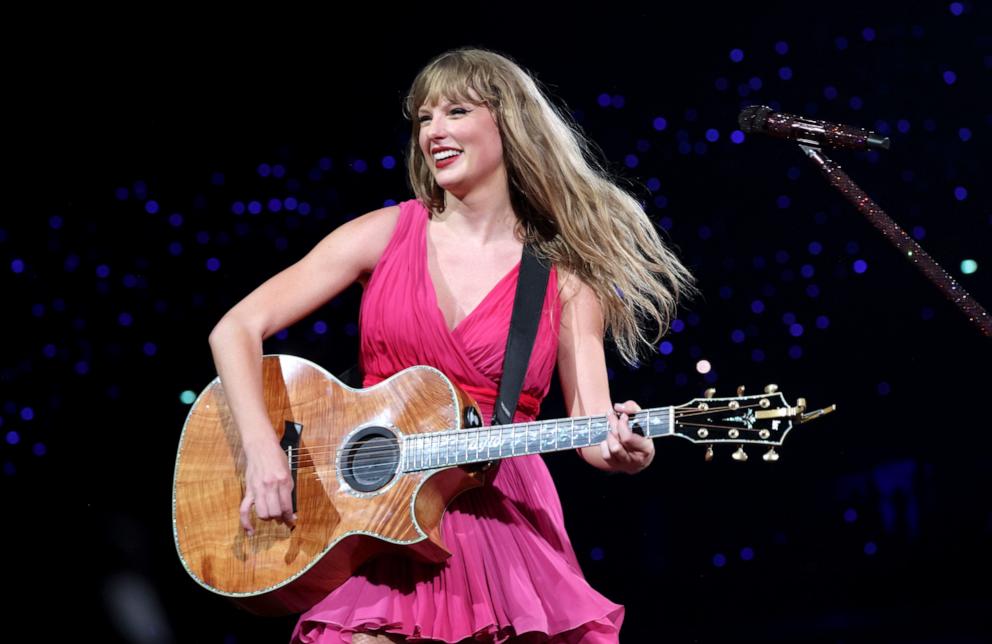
461, 145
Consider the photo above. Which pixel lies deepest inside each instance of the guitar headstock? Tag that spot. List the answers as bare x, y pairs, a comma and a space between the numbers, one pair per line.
758, 419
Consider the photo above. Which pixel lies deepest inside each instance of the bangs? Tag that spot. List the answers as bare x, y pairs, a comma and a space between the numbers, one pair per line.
452, 79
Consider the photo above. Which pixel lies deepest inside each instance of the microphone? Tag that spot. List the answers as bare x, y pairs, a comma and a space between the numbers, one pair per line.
761, 119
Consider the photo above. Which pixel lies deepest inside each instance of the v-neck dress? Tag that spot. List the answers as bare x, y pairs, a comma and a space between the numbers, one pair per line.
512, 568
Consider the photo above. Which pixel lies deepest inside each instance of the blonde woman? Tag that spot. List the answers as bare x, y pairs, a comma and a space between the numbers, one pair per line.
493, 165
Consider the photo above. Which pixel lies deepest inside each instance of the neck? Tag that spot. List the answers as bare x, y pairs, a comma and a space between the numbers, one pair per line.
482, 216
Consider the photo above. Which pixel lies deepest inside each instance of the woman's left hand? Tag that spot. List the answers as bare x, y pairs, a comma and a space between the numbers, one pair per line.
623, 450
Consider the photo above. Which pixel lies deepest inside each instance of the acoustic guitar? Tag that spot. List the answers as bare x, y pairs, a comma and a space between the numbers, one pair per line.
375, 468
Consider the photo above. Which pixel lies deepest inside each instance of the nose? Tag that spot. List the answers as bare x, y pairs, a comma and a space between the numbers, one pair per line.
435, 128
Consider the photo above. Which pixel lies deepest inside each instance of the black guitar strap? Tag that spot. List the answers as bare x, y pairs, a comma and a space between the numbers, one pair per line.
532, 284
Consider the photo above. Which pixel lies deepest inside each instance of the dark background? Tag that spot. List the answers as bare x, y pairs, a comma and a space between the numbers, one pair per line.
876, 525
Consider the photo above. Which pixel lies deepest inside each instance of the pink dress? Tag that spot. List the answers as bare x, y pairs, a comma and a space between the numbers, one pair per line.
512, 569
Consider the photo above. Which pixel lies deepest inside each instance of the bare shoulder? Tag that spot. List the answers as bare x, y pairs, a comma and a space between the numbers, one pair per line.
366, 237
576, 296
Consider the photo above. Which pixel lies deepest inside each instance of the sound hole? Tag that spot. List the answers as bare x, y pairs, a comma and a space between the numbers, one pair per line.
370, 459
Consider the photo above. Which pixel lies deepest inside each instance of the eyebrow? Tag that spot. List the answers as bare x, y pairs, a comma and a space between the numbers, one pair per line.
444, 103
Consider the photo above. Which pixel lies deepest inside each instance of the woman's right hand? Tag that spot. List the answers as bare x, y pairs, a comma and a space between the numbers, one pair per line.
268, 486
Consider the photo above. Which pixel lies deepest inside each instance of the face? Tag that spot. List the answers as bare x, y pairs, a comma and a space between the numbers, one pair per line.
460, 142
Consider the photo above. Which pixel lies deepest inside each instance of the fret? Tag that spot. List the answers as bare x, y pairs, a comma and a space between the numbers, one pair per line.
571, 432
492, 450
471, 445
547, 435
582, 434
563, 439
533, 438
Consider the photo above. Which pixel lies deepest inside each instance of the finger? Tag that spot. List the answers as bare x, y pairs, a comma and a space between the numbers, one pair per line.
246, 514
623, 430
286, 497
615, 447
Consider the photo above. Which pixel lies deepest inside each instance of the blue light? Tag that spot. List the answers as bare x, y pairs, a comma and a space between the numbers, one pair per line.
27, 413
125, 319
757, 355
870, 548
840, 42
721, 84
264, 170
815, 248
950, 77
604, 100
807, 271
102, 271
700, 148
325, 163
39, 449
712, 135
726, 292
320, 327
630, 161
884, 388
238, 208
757, 306
9, 469
175, 249
17, 266
597, 554
783, 202
618, 101
788, 318
737, 136
813, 290
388, 162
665, 348
785, 73
852, 247
303, 208
55, 222
151, 207
747, 554
737, 336
654, 184
149, 349
13, 438
795, 330
49, 350
860, 266
736, 55
213, 264
681, 379
275, 205
822, 322
677, 326
290, 203
795, 352
830, 92
902, 125
359, 166
719, 560
685, 147
254, 207
792, 173
755, 83
217, 179
782, 256
868, 34
964, 134
121, 194
956, 8
781, 48
855, 102
850, 515
282, 335
351, 329
705, 232
278, 171
960, 193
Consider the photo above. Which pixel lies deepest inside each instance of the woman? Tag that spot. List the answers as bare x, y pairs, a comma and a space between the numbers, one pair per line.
493, 165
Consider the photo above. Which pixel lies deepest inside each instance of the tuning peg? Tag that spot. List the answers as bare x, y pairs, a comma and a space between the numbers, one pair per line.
770, 456
709, 393
770, 389
740, 390
709, 453
800, 405
740, 454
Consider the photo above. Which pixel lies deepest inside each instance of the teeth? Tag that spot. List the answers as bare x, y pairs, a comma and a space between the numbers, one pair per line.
446, 154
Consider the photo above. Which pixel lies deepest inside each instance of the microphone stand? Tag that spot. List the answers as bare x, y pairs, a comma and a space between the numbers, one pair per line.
900, 239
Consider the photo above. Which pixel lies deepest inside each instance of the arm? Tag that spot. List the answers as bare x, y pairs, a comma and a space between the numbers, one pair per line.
346, 255
585, 387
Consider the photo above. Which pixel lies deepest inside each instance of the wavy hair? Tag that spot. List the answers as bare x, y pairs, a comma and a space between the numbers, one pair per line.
567, 205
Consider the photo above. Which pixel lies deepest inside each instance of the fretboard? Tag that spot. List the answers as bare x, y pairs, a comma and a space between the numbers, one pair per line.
481, 444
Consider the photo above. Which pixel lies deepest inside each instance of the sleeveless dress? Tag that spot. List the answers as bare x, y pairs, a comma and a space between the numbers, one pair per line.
512, 568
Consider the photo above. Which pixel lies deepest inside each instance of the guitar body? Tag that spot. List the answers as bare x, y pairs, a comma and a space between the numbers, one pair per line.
353, 500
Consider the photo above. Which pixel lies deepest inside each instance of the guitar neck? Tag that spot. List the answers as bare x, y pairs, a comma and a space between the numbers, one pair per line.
481, 444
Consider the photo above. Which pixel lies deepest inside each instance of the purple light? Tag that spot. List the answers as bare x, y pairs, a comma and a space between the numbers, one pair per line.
121, 194
884, 388
964, 134
38, 310
705, 232
757, 355
175, 249
325, 163
860, 266
151, 207
956, 8
781, 48
830, 92
737, 137
39, 449
813, 290
604, 100
868, 34
254, 207
747, 554
213, 264
303, 208
795, 352
359, 166
27, 413
282, 335
275, 205
264, 170
807, 271
320, 327
678, 326
712, 135
238, 208
13, 438
855, 102
719, 560
755, 83
757, 306
795, 330
960, 193
737, 336
785, 73
149, 349
175, 220
665, 348
654, 184
850, 515
783, 202
822, 322
597, 554
815, 248
17, 266
736, 55
618, 101
630, 161
840, 42
919, 232
721, 84
49, 350
870, 548
685, 147
125, 319
388, 162
290, 203
102, 270
278, 171
55, 222
950, 77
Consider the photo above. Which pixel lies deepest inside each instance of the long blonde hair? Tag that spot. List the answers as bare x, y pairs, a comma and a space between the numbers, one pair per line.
568, 207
